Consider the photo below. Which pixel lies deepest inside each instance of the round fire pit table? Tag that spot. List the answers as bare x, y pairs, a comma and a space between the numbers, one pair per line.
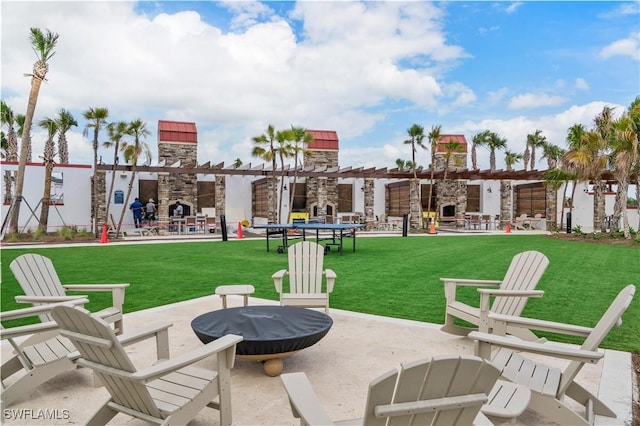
269, 333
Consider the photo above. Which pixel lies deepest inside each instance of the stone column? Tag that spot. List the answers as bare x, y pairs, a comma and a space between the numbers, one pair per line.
221, 201
322, 196
506, 200
272, 200
551, 213
369, 217
101, 214
414, 203
163, 202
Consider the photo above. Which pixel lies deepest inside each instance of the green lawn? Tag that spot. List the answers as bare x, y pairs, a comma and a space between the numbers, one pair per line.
390, 276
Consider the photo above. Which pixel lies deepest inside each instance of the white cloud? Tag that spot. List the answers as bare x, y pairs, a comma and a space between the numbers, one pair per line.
581, 84
494, 97
513, 6
629, 46
535, 100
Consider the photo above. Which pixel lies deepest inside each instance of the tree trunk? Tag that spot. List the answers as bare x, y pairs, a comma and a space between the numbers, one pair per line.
46, 197
24, 152
598, 206
126, 201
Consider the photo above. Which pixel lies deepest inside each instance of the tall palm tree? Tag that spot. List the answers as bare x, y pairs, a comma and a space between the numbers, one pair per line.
556, 178
624, 144
264, 148
51, 126
479, 139
237, 162
553, 154
416, 137
589, 160
20, 121
7, 118
535, 140
404, 164
132, 152
494, 142
450, 148
43, 45
284, 150
574, 140
116, 131
434, 137
511, 158
65, 122
96, 120
634, 116
301, 138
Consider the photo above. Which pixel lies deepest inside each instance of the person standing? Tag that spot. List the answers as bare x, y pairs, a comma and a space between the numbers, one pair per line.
136, 207
150, 210
177, 210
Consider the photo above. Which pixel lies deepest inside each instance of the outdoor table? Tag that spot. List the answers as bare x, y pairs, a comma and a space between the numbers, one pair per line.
338, 232
269, 333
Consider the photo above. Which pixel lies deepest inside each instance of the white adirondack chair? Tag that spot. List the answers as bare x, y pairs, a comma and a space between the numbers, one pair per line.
305, 277
41, 284
549, 386
441, 391
36, 363
171, 392
511, 295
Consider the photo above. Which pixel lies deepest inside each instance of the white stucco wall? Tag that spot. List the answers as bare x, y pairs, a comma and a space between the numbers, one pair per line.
76, 190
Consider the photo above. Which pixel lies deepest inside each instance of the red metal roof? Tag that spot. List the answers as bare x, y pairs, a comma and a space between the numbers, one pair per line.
177, 131
444, 139
324, 139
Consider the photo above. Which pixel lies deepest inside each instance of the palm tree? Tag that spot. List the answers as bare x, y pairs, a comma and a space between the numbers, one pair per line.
494, 142
450, 148
535, 140
11, 150
556, 178
416, 136
574, 140
132, 152
264, 148
43, 45
624, 144
511, 158
404, 164
434, 137
237, 162
553, 154
301, 138
51, 126
97, 118
479, 139
20, 120
116, 132
65, 121
284, 150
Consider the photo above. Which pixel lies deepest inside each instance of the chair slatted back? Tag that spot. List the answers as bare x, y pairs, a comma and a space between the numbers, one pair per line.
305, 267
524, 273
37, 277
101, 351
611, 318
441, 391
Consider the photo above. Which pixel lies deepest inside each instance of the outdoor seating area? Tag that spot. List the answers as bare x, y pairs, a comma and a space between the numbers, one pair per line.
339, 372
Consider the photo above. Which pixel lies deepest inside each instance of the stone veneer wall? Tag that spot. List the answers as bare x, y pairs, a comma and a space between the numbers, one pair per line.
506, 202
552, 208
101, 188
453, 192
220, 190
321, 191
172, 187
369, 217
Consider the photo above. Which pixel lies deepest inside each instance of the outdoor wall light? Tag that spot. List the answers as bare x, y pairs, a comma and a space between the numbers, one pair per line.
362, 188
489, 190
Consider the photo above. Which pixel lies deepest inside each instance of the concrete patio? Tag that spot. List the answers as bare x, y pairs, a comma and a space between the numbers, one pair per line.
357, 349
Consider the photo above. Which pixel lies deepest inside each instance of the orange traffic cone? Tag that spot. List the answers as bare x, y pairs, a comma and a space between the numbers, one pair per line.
432, 227
105, 234
508, 231
239, 234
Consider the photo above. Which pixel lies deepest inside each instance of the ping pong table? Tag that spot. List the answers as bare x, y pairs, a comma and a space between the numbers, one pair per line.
333, 234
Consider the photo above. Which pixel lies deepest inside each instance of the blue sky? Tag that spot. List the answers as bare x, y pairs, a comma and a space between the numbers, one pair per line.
368, 70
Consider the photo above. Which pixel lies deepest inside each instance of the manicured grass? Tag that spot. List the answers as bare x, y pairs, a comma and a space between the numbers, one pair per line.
390, 276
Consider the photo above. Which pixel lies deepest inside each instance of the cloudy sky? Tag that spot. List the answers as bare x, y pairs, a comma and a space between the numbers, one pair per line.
368, 70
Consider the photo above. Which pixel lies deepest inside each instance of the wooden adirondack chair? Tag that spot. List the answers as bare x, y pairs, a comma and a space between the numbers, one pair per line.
441, 391
41, 284
171, 392
305, 277
511, 295
550, 385
34, 364
37, 363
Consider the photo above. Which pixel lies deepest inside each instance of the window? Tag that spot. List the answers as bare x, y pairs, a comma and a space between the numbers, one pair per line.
398, 201
473, 198
345, 198
530, 199
260, 202
57, 190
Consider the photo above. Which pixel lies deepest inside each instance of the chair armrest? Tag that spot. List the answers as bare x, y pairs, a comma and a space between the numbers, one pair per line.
23, 330
331, 279
277, 279
486, 293
161, 333
49, 299
471, 282
117, 291
225, 342
566, 352
498, 320
305, 404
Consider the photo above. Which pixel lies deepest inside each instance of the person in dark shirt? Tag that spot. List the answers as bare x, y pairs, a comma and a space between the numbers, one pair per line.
136, 207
